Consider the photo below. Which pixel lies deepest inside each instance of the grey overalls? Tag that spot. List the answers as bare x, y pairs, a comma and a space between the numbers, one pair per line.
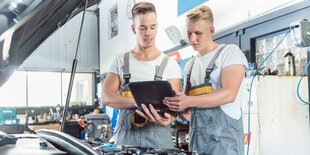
211, 130
139, 131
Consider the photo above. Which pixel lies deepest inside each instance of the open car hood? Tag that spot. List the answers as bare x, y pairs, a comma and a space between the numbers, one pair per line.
25, 24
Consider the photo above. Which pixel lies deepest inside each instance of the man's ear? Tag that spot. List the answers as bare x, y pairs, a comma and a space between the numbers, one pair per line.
212, 29
133, 29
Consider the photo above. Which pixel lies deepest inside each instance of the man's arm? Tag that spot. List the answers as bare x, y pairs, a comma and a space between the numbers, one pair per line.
176, 84
232, 77
111, 98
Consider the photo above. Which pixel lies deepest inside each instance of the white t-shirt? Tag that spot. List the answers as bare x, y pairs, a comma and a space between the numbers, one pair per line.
145, 70
230, 55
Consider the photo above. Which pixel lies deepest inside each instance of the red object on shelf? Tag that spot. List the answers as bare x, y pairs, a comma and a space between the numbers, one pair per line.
175, 55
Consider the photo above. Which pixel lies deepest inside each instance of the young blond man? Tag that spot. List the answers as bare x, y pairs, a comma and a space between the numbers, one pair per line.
213, 88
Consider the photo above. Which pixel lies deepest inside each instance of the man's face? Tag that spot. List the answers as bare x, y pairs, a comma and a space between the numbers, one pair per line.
199, 34
145, 28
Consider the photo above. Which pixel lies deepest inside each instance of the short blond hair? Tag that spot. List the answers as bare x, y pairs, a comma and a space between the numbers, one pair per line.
200, 13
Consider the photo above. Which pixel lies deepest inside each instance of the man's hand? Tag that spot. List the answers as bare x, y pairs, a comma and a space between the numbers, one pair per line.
180, 102
152, 115
186, 116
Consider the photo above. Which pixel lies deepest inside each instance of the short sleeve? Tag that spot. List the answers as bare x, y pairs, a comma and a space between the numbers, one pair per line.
116, 65
172, 70
232, 55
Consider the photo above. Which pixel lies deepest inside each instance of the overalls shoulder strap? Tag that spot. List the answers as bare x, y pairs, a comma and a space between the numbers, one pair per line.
134, 118
126, 75
212, 62
208, 70
191, 63
160, 69
210, 66
188, 76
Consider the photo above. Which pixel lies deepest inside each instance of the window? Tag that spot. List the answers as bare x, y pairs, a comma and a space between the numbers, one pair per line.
82, 92
46, 89
13, 92
265, 44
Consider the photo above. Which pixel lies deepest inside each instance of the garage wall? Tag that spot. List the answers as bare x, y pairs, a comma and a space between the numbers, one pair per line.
227, 14
125, 39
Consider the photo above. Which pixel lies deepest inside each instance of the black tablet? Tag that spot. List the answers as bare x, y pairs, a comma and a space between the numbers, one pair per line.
152, 92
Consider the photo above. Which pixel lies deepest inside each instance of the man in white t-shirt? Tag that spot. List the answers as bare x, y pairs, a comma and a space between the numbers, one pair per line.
144, 63
213, 88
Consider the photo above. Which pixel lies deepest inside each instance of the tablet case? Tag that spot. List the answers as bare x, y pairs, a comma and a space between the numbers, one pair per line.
152, 92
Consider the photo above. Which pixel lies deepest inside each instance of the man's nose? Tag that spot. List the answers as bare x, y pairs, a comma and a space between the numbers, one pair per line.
147, 32
192, 38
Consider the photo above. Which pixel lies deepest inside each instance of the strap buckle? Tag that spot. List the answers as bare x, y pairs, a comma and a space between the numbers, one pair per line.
157, 78
127, 77
208, 73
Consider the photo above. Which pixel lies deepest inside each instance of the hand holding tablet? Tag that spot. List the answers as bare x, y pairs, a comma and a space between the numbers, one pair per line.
152, 92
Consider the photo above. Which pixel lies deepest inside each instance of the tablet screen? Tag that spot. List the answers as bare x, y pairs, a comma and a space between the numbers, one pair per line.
152, 92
